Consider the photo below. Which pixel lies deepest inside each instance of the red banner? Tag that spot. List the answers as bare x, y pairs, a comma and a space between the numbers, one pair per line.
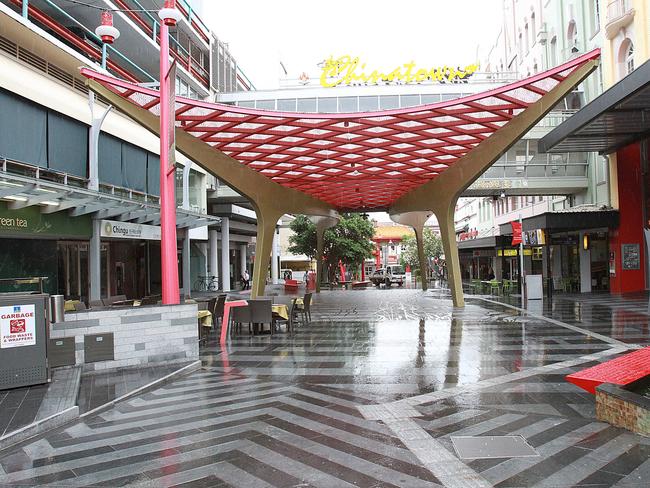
516, 233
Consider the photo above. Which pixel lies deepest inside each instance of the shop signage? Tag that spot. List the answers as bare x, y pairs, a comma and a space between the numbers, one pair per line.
30, 221
127, 230
17, 326
631, 258
348, 71
472, 234
534, 238
516, 233
510, 253
483, 253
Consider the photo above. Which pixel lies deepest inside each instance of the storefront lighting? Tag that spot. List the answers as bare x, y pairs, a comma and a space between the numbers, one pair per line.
585, 242
106, 30
169, 14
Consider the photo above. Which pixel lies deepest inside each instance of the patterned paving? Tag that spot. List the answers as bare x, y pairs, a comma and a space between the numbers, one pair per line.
368, 395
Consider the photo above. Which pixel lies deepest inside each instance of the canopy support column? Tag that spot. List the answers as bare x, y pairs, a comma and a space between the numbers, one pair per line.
416, 220
267, 220
445, 218
322, 224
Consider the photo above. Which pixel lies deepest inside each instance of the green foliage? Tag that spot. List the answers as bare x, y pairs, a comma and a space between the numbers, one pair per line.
303, 239
432, 248
349, 241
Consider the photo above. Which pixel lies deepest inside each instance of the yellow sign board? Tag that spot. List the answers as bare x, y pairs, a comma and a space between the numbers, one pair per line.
346, 70
513, 252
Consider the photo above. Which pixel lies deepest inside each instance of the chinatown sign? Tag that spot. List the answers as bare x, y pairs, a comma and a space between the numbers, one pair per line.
349, 71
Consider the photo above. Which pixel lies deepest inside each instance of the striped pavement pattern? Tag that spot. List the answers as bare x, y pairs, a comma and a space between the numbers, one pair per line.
286, 411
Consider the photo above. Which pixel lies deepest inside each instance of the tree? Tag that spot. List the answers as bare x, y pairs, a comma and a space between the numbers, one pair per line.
432, 248
348, 242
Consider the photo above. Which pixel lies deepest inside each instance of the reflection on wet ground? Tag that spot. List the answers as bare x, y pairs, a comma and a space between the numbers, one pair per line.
369, 394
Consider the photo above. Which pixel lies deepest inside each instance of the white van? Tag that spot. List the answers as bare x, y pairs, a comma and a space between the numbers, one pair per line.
393, 273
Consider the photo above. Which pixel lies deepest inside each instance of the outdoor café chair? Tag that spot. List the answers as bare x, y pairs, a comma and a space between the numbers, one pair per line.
239, 316
304, 308
261, 312
219, 305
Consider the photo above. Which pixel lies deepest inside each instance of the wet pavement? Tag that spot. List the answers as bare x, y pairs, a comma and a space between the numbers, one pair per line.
375, 392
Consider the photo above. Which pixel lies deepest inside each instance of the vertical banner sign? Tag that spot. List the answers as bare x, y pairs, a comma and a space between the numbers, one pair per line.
170, 86
17, 326
516, 233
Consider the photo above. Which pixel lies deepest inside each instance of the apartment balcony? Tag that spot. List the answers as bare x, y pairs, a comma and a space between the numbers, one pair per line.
620, 14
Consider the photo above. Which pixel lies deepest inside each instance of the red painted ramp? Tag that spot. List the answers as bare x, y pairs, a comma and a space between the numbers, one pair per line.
620, 371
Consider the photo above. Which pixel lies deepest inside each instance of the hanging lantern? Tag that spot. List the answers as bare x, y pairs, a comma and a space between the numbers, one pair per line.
106, 31
169, 14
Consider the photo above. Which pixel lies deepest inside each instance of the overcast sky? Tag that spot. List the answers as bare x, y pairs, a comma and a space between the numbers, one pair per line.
385, 34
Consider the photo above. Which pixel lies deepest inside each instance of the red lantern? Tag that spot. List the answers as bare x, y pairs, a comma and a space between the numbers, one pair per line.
169, 14
106, 31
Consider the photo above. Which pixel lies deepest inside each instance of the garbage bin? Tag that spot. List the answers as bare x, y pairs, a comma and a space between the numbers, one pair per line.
23, 340
57, 308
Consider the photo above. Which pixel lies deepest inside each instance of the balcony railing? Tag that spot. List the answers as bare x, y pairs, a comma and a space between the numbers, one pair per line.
619, 14
617, 9
88, 45
150, 26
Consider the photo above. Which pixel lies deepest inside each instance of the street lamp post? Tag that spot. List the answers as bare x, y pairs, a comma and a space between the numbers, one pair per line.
168, 248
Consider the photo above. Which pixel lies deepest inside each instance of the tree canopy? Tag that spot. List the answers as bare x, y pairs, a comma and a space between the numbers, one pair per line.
432, 248
349, 241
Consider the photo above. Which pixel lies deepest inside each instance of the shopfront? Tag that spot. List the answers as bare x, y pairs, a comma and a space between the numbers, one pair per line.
570, 248
616, 125
40, 244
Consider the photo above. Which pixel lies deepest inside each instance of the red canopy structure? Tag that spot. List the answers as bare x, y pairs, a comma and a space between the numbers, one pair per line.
401, 160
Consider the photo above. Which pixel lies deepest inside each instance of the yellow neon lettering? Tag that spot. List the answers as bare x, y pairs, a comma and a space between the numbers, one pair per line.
346, 70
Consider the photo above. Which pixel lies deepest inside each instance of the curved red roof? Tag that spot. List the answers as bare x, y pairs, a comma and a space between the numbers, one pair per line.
352, 160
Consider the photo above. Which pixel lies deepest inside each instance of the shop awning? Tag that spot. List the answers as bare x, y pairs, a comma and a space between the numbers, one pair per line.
588, 217
54, 192
618, 117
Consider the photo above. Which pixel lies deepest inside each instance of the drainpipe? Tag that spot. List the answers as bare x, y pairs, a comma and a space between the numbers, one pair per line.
25, 8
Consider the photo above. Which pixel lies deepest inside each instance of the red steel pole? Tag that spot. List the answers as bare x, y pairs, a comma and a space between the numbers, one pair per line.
168, 246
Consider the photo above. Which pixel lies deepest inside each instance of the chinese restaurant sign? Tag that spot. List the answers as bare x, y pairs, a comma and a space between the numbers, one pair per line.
17, 326
346, 70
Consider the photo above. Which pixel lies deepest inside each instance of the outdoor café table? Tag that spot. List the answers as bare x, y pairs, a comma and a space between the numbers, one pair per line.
205, 318
281, 311
69, 305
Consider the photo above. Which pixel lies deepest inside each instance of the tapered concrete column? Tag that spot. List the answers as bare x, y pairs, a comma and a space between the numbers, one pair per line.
213, 259
225, 253
322, 224
243, 258
275, 271
416, 220
320, 245
448, 235
94, 261
266, 223
424, 264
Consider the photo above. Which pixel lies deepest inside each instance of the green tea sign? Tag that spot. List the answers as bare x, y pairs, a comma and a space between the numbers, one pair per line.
31, 222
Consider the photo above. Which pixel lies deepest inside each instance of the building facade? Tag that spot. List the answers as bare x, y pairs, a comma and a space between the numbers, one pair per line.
80, 182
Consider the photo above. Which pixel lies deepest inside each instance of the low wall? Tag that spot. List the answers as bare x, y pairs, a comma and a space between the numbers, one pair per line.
623, 408
141, 335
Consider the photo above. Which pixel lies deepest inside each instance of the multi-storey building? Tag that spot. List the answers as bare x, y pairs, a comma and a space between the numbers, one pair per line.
536, 35
614, 124
79, 186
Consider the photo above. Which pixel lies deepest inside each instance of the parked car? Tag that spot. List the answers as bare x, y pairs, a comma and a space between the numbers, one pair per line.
393, 273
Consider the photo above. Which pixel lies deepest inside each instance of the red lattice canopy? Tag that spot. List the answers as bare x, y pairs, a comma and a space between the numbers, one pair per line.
362, 160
